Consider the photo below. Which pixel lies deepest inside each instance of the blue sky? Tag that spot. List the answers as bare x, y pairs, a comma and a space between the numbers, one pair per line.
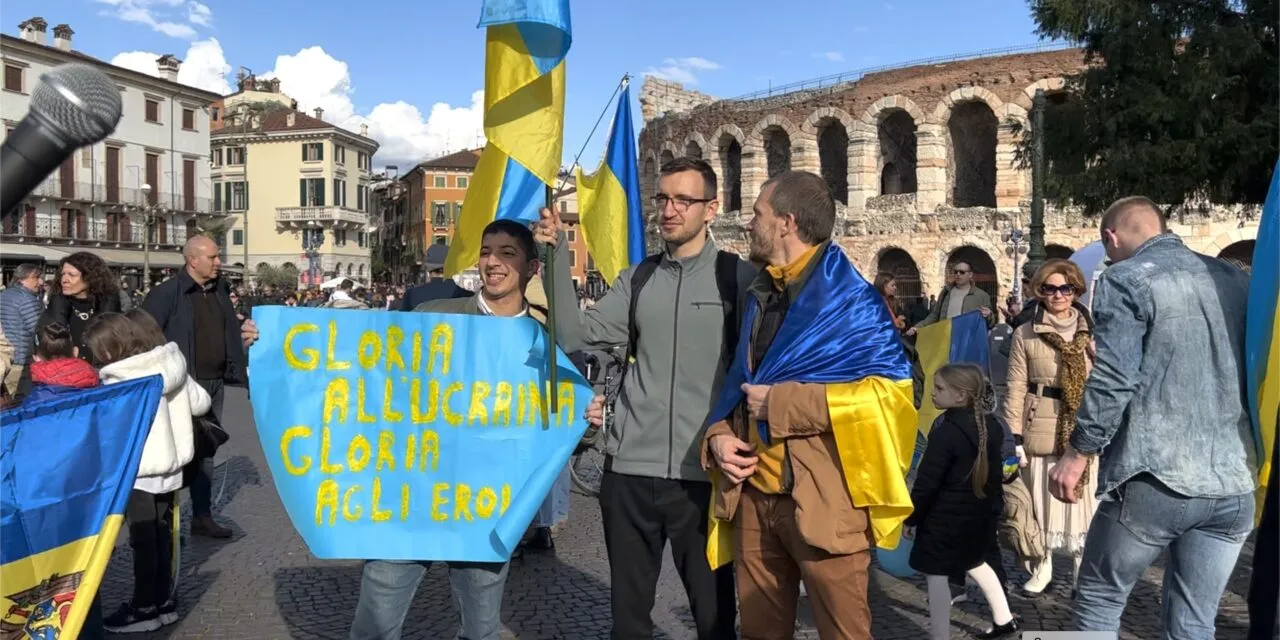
412, 70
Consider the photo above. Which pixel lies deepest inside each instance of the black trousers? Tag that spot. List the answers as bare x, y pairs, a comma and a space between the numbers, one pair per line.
199, 472
150, 520
640, 515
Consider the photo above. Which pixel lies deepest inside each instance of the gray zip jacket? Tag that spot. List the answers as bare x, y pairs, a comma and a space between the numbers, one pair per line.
674, 382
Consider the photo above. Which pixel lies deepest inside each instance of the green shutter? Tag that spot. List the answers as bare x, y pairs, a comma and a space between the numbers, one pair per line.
304, 152
217, 196
302, 192
320, 192
320, 149
246, 195
226, 195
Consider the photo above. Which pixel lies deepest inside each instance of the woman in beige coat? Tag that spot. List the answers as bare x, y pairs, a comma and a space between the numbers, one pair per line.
1049, 360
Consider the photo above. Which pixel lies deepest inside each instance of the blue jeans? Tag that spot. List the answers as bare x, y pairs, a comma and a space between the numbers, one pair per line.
1203, 535
388, 586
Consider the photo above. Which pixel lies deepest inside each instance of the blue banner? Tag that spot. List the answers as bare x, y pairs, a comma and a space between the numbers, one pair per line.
411, 436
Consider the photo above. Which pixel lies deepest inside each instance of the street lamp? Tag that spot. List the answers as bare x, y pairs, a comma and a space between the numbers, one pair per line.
146, 237
312, 238
1014, 238
1036, 253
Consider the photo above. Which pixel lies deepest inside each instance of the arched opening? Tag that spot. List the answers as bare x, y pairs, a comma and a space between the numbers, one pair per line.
666, 157
972, 127
337, 269
350, 270
833, 154
897, 134
984, 269
360, 271
1239, 254
289, 265
777, 150
1058, 251
730, 172
649, 174
692, 150
905, 273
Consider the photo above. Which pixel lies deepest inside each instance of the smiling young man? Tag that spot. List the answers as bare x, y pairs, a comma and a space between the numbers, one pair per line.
508, 261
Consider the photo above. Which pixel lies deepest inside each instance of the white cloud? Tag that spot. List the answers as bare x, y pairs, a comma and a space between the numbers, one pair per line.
682, 69
155, 14
316, 79
200, 14
204, 66
831, 56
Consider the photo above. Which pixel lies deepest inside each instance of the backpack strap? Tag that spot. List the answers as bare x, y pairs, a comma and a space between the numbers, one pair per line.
639, 277
727, 284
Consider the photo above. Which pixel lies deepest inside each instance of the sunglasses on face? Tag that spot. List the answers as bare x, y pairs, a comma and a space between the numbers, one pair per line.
1047, 290
958, 272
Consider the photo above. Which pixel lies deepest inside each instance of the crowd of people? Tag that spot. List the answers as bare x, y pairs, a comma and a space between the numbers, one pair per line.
1122, 430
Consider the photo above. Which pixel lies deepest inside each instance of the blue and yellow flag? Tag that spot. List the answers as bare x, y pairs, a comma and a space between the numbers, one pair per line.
67, 467
523, 119
838, 332
609, 200
1262, 343
959, 339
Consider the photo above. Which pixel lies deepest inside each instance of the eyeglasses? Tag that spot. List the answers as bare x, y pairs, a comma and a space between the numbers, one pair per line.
681, 203
1047, 290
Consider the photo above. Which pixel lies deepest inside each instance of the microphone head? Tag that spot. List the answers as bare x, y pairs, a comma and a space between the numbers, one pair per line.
78, 99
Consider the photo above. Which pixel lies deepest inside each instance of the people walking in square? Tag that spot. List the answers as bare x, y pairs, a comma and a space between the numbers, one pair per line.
1164, 417
1049, 359
676, 311
958, 498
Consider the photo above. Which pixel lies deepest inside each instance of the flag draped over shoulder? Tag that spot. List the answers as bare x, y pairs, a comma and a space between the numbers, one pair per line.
524, 76
609, 200
959, 339
66, 470
1262, 343
838, 332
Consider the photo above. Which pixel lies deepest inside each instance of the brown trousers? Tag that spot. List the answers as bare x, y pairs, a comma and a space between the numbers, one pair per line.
772, 559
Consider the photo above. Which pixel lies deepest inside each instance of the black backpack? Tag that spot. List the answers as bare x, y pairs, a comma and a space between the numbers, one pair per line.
726, 283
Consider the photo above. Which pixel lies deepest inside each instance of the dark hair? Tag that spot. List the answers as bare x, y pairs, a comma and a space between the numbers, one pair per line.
680, 165
346, 285
93, 270
807, 197
53, 341
112, 337
882, 282
22, 272
517, 230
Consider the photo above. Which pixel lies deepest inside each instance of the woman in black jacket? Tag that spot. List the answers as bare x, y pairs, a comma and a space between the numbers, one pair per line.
958, 498
86, 288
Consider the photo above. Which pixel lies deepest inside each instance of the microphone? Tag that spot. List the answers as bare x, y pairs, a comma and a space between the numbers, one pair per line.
75, 105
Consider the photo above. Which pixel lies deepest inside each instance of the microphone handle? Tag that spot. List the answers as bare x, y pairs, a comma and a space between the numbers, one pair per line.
28, 156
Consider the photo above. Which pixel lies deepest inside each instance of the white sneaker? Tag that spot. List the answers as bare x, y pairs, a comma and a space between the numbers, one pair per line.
1040, 578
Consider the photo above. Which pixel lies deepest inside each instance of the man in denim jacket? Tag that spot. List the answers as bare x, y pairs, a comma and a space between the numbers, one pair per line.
1165, 407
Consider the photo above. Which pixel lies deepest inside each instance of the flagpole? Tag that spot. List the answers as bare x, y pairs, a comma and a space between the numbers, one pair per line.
548, 286
626, 79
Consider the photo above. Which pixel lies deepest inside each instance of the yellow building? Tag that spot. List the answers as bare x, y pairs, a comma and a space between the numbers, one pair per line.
301, 184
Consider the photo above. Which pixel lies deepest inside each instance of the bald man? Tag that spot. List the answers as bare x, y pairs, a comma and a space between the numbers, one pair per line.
1164, 417
194, 309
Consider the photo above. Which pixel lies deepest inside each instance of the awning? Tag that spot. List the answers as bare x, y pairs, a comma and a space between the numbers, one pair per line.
128, 258
23, 252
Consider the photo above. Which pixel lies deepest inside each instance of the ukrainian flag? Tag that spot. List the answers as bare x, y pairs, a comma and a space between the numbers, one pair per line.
959, 339
67, 467
523, 119
1262, 343
612, 220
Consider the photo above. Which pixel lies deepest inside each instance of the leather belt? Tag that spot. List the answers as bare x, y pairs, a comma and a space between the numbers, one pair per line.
1045, 391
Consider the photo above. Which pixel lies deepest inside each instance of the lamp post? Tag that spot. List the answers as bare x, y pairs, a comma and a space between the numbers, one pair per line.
1036, 253
1014, 238
146, 238
312, 238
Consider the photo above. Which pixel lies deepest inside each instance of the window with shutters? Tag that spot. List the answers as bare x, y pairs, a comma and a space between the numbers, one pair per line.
440, 213
362, 197
572, 235
189, 119
564, 206
12, 78
153, 111
217, 157
239, 196
311, 192
461, 182
339, 154
339, 193
573, 258
457, 211
312, 151
235, 156
441, 181
217, 197
237, 237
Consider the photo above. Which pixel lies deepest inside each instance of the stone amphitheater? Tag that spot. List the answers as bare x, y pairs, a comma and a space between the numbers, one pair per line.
920, 157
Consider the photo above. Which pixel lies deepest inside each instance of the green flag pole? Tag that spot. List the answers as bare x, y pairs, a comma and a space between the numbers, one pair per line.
548, 286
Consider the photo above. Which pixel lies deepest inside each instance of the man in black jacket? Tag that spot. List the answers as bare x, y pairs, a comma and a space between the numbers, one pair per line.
194, 310
437, 286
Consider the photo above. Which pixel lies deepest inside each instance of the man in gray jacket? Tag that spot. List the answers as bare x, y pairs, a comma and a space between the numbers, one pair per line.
654, 488
20, 309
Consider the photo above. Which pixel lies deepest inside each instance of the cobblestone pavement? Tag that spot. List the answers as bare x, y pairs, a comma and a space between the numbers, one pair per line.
263, 584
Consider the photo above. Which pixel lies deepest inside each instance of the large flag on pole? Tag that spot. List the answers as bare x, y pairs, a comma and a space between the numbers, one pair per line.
67, 465
1262, 343
609, 199
523, 119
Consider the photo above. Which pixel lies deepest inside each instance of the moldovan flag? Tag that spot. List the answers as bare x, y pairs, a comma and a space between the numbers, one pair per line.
959, 339
609, 200
523, 119
1262, 343
66, 469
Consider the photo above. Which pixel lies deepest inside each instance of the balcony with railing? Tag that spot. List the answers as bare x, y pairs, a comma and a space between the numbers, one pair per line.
55, 189
325, 216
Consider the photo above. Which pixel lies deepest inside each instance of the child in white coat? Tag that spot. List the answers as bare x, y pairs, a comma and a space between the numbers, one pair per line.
127, 347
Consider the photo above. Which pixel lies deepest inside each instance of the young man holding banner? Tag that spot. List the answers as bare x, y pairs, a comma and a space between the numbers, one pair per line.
508, 261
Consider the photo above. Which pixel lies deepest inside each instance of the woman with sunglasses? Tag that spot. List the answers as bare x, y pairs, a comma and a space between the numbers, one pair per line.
1049, 360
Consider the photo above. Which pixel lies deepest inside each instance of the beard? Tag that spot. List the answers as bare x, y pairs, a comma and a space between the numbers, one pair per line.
760, 246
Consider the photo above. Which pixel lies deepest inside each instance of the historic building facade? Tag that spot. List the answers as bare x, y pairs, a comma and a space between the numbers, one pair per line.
921, 160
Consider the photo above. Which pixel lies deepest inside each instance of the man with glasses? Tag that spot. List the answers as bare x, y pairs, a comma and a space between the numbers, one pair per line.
961, 297
677, 313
